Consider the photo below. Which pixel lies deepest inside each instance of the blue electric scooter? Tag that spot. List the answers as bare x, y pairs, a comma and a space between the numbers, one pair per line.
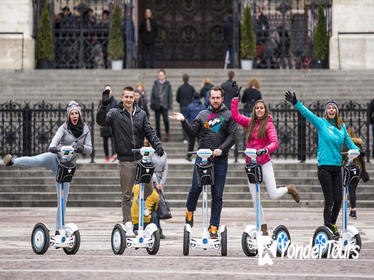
149, 237
252, 234
69, 236
349, 235
205, 173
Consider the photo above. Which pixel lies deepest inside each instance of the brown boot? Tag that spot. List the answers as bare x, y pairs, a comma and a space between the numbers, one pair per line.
292, 191
166, 137
7, 161
264, 229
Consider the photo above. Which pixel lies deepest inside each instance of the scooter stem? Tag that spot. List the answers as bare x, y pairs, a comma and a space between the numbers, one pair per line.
205, 212
141, 210
62, 214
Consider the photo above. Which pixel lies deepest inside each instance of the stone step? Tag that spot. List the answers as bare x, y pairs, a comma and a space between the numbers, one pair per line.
74, 195
172, 203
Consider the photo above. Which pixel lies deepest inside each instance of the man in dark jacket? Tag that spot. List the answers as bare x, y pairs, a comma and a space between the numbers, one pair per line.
161, 102
216, 131
106, 131
129, 125
227, 89
228, 31
371, 114
184, 97
148, 35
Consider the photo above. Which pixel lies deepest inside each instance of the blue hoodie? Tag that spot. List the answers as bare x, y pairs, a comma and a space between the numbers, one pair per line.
194, 109
330, 138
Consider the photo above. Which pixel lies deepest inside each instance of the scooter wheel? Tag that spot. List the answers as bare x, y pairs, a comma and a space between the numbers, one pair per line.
250, 252
77, 243
40, 239
282, 236
118, 240
320, 238
186, 241
224, 242
156, 243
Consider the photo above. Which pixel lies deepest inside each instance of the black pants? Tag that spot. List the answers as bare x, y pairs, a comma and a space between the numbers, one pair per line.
106, 144
330, 178
191, 144
164, 113
148, 50
352, 195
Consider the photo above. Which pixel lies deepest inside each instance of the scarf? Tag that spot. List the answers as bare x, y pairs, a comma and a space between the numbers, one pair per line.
76, 130
148, 24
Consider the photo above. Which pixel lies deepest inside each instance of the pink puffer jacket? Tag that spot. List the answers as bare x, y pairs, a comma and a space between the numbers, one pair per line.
270, 142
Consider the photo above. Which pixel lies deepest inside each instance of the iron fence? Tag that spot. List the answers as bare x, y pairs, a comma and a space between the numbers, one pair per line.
28, 129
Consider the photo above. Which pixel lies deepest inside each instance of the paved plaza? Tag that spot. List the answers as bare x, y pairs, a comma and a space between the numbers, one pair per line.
95, 258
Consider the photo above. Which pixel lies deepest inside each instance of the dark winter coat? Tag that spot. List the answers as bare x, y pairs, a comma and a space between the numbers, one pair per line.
128, 129
227, 89
228, 31
194, 109
371, 111
148, 38
143, 104
106, 131
163, 100
215, 130
185, 94
249, 98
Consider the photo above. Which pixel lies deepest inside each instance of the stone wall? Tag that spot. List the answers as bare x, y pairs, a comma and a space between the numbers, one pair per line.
352, 51
16, 16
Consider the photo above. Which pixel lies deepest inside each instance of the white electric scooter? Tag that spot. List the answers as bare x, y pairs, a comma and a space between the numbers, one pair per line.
349, 235
252, 234
149, 237
205, 174
69, 237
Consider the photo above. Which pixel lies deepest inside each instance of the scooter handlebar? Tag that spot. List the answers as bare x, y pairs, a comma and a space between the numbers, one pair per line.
352, 154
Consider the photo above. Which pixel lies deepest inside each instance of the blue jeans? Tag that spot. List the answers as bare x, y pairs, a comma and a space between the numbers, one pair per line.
49, 161
220, 171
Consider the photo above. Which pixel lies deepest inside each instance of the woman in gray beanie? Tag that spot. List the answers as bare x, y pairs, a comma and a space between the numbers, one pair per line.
73, 132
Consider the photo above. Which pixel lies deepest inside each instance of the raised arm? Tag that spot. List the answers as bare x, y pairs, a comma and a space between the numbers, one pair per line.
314, 120
236, 116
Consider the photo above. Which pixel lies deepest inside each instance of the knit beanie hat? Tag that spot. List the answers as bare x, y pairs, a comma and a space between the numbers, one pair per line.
73, 105
331, 103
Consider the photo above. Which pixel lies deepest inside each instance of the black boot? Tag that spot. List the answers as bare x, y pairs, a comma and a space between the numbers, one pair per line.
162, 236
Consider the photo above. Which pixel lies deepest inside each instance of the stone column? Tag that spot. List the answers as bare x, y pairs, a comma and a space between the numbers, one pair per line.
16, 16
352, 51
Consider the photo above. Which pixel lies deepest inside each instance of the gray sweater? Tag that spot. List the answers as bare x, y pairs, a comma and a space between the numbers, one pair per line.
161, 168
64, 137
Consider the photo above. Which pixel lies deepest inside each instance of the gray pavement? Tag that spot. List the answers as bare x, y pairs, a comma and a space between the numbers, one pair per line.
96, 259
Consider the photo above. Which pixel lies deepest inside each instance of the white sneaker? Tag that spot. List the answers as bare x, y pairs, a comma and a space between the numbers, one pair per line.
185, 141
145, 211
129, 229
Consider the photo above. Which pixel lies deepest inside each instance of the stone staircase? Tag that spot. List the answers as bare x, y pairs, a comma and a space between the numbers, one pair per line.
97, 185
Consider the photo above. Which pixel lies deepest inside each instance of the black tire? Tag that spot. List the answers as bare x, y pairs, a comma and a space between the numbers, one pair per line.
118, 240
357, 241
321, 235
282, 236
247, 251
156, 244
40, 239
77, 243
186, 242
224, 242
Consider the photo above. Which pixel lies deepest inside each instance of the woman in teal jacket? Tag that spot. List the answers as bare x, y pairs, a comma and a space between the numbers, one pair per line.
332, 134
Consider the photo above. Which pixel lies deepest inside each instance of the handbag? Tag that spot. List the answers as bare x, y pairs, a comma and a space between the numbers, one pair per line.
163, 210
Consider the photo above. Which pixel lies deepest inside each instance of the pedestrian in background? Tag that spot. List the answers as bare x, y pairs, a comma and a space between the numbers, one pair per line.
185, 95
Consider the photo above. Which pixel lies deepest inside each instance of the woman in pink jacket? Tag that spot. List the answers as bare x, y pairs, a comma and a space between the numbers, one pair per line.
262, 136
